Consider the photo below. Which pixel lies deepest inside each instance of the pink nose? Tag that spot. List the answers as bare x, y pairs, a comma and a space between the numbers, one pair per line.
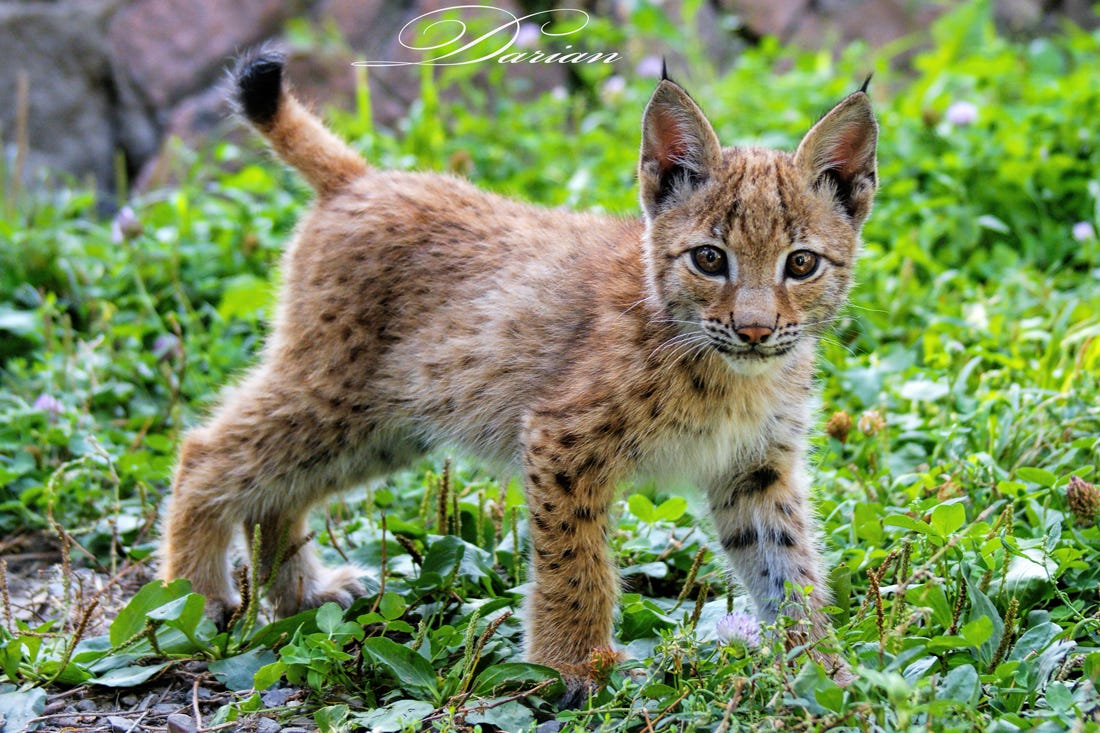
754, 334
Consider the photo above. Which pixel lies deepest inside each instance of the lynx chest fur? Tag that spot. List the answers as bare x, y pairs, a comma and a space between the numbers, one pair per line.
418, 311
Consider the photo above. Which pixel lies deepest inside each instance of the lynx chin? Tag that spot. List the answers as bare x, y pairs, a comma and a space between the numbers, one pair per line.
417, 311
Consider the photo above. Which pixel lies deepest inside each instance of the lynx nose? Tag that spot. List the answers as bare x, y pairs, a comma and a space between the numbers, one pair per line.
754, 334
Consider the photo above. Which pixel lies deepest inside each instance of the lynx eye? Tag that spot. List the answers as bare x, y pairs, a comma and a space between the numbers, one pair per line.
801, 264
709, 260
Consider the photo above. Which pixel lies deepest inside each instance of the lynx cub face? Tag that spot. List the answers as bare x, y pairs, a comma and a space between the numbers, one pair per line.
417, 311
751, 250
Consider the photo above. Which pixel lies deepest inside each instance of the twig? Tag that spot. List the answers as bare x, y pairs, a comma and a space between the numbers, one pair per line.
195, 701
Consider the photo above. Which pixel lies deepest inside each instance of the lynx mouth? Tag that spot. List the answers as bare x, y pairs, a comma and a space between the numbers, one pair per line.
752, 360
751, 353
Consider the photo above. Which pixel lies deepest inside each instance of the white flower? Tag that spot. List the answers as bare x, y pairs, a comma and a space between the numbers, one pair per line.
738, 626
961, 114
1083, 231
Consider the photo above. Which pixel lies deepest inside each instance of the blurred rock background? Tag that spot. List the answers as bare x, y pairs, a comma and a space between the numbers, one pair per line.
93, 88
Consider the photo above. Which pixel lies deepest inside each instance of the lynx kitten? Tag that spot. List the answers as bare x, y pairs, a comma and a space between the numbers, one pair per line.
418, 311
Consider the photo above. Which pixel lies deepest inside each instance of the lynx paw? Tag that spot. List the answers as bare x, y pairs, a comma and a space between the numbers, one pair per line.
338, 585
221, 611
578, 688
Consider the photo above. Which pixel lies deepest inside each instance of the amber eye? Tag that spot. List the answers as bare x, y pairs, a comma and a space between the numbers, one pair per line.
709, 260
801, 264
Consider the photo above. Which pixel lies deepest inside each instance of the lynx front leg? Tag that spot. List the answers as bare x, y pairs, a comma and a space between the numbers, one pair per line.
569, 614
765, 524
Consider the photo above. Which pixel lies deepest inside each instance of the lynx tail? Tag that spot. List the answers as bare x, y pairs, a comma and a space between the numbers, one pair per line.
295, 133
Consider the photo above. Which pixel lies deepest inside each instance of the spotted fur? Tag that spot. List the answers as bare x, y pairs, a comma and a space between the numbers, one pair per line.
418, 311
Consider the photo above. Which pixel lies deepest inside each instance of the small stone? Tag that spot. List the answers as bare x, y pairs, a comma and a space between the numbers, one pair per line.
295, 729
129, 700
267, 725
54, 707
302, 722
550, 726
120, 724
165, 708
180, 723
276, 698
86, 706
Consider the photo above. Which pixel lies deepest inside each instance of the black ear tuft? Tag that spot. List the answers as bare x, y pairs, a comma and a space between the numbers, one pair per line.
866, 83
664, 69
259, 79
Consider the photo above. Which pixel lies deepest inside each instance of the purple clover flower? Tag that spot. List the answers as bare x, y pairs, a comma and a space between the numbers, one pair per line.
961, 114
738, 626
650, 66
613, 87
1083, 231
528, 35
49, 404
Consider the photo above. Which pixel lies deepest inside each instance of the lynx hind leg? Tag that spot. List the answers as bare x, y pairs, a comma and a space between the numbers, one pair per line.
764, 522
265, 458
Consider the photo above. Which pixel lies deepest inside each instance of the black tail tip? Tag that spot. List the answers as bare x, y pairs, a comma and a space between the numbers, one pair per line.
259, 79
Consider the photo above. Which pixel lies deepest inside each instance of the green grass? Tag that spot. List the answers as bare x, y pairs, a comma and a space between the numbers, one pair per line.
968, 362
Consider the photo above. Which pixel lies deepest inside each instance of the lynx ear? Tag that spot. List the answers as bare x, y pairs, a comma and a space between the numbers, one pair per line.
838, 156
679, 148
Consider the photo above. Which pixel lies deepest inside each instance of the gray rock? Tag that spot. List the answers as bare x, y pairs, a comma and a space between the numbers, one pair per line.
122, 725
81, 107
180, 723
86, 706
267, 725
277, 697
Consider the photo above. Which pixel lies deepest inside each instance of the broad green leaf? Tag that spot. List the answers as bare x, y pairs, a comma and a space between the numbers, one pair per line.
1037, 476
1059, 697
18, 708
131, 619
509, 676
329, 618
391, 606
239, 673
507, 715
268, 675
980, 605
960, 684
906, 522
412, 671
671, 509
397, 716
642, 508
948, 518
129, 676
245, 296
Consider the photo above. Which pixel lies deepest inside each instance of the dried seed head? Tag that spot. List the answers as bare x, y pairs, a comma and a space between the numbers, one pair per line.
839, 425
602, 663
1084, 500
871, 422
